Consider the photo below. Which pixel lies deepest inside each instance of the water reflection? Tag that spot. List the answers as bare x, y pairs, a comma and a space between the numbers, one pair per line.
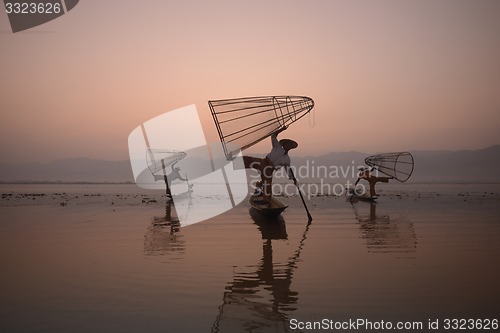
259, 298
385, 233
162, 235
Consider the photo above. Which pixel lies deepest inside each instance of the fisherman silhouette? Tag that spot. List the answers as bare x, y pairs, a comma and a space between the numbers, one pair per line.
367, 174
173, 175
276, 159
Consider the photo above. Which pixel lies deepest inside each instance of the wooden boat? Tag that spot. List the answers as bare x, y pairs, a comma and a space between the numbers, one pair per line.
273, 210
352, 196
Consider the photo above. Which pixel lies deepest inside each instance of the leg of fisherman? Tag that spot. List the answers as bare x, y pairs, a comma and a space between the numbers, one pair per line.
372, 183
266, 173
267, 180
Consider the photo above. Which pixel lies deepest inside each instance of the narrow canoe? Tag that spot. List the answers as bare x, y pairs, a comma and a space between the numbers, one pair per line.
273, 210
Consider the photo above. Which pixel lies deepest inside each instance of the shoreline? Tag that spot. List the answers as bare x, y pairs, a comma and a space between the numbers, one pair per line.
113, 196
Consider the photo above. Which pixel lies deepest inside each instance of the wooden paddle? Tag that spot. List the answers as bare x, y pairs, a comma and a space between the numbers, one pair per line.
301, 196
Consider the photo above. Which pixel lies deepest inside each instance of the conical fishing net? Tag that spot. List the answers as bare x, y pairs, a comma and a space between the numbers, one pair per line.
159, 159
242, 122
397, 165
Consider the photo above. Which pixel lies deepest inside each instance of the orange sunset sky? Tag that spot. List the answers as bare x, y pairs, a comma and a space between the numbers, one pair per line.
385, 75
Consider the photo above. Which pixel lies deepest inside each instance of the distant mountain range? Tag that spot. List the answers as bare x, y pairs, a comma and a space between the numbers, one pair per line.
430, 166
70, 170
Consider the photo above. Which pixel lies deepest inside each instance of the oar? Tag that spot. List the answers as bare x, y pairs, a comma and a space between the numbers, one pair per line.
301, 196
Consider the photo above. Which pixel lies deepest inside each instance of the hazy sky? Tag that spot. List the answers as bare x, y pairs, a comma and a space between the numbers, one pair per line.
385, 75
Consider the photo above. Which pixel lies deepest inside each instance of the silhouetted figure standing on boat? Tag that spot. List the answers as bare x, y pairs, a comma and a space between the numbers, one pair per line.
367, 174
277, 158
173, 175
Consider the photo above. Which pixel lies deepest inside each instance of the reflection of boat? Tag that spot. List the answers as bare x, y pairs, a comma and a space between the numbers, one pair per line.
270, 227
270, 210
260, 297
384, 233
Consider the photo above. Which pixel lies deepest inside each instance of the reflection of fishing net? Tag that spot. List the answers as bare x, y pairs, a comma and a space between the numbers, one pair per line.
159, 159
397, 165
242, 122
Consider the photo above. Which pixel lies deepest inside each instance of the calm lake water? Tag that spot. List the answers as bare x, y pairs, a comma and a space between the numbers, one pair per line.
98, 264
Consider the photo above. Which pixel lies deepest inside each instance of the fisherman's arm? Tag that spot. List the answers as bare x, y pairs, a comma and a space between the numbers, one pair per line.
274, 140
274, 136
